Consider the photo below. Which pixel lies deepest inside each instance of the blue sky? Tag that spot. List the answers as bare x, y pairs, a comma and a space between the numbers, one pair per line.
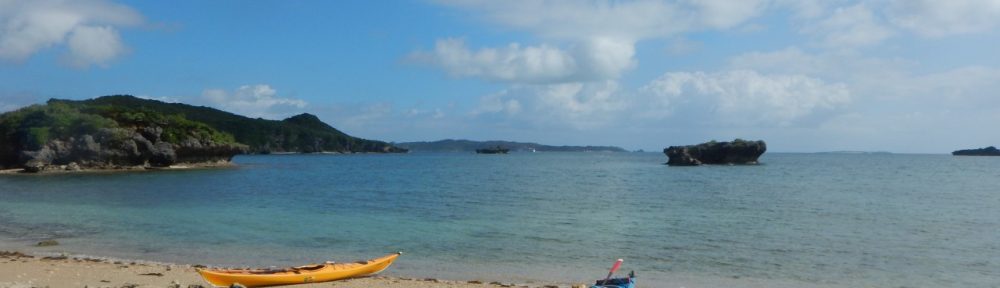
903, 76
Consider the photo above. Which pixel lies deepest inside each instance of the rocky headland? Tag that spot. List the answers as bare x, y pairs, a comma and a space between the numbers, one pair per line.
738, 151
125, 132
988, 151
119, 149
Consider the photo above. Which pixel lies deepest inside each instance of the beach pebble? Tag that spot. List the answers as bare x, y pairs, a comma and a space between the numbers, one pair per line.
49, 242
195, 286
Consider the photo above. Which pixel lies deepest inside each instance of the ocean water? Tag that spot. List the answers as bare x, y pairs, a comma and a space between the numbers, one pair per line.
798, 220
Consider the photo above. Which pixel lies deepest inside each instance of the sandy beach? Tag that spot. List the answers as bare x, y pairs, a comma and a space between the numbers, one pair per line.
23, 271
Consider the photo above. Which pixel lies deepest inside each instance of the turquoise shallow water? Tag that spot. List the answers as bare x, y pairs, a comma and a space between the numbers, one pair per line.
798, 220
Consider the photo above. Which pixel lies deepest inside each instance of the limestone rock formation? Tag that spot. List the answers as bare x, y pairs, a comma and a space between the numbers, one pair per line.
736, 152
117, 148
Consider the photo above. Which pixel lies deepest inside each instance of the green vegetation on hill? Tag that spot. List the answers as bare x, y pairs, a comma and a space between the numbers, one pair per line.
30, 127
450, 145
302, 133
33, 126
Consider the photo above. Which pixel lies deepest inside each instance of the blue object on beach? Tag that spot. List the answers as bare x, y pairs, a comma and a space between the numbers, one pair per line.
627, 282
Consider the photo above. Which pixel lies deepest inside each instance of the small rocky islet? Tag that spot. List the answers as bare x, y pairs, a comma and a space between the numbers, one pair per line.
737, 152
987, 151
125, 132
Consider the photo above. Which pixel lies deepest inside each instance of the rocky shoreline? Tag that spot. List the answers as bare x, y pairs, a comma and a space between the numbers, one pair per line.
119, 149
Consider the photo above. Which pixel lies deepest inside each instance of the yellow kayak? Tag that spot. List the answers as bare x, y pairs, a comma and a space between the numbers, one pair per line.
328, 271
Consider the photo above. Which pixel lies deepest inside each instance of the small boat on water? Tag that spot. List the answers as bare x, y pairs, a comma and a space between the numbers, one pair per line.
328, 271
497, 150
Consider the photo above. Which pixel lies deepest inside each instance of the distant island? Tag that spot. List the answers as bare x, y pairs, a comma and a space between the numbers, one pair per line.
497, 150
988, 151
450, 145
126, 132
738, 151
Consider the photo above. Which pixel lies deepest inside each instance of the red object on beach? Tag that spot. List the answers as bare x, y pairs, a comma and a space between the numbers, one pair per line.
618, 264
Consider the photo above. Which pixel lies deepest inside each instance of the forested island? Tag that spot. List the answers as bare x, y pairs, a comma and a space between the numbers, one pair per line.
122, 131
451, 145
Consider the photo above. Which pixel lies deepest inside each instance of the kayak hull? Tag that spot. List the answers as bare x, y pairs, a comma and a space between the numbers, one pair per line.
296, 275
615, 283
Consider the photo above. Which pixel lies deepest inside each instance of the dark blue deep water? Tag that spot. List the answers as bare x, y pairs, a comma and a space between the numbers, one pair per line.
798, 220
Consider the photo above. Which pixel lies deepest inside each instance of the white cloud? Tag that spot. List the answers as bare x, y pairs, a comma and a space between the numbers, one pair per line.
512, 63
854, 24
498, 102
574, 105
606, 58
882, 79
734, 98
253, 101
964, 88
594, 59
581, 100
634, 20
851, 27
437, 113
94, 45
722, 14
941, 18
601, 36
868, 76
744, 97
88, 26
806, 9
788, 60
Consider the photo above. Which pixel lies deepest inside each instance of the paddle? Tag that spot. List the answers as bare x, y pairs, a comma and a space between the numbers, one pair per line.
618, 264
